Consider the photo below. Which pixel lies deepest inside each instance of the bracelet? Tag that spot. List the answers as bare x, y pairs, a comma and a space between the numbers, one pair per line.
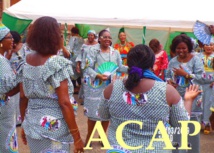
78, 140
75, 132
74, 129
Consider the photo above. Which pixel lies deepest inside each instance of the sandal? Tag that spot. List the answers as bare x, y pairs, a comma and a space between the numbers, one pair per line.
207, 129
202, 126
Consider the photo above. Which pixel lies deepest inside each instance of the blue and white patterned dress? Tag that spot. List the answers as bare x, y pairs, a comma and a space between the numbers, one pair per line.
206, 79
44, 118
74, 47
195, 68
94, 87
121, 107
82, 57
8, 136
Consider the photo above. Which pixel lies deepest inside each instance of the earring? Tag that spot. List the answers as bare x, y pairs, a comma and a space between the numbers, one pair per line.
1, 45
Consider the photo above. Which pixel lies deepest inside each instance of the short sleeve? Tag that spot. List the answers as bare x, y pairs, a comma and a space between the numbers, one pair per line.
56, 70
7, 76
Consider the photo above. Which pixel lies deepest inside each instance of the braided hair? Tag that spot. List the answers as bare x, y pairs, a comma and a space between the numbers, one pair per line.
140, 56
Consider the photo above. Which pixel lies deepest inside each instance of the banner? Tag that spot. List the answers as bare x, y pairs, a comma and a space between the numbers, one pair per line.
15, 24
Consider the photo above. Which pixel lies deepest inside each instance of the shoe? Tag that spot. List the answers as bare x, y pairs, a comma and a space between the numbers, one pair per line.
76, 90
89, 145
202, 126
101, 143
207, 129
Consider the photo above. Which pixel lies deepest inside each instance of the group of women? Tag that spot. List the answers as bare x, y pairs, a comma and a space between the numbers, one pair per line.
44, 80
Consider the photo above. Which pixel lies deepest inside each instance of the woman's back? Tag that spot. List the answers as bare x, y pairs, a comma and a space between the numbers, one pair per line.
38, 80
149, 108
39, 84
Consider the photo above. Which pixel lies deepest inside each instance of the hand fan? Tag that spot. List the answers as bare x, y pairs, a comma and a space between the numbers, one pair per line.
202, 32
107, 68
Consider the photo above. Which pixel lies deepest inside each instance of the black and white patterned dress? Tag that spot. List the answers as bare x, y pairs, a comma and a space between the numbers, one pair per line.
152, 108
44, 119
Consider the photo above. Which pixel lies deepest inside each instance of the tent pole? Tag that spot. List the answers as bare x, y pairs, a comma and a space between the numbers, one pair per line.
144, 35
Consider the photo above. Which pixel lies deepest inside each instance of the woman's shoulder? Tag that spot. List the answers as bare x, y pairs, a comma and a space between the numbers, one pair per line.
195, 58
57, 60
173, 60
56, 64
131, 44
3, 59
112, 49
4, 62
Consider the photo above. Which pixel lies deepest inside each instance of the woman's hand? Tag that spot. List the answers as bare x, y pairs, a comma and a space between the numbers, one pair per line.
78, 67
78, 146
192, 92
211, 27
102, 77
23, 136
211, 85
62, 41
180, 71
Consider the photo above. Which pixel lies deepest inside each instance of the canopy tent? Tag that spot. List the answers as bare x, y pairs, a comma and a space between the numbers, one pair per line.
161, 17
136, 13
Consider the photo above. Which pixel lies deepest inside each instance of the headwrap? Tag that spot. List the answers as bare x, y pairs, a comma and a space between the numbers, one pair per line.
3, 31
92, 31
144, 73
121, 30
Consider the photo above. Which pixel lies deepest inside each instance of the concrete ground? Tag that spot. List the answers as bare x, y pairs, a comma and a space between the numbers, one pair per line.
207, 141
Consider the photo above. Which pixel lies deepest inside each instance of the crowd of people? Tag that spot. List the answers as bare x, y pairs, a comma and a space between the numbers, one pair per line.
41, 76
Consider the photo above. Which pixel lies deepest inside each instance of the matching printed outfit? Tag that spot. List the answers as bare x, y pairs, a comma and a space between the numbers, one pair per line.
44, 124
94, 87
8, 135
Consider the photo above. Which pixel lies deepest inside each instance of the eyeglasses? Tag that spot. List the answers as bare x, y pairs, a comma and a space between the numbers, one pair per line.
8, 37
106, 37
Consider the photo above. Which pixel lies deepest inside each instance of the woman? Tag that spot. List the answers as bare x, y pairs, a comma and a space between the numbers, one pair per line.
143, 97
161, 59
183, 70
207, 57
19, 51
8, 140
96, 82
123, 46
75, 44
46, 92
81, 58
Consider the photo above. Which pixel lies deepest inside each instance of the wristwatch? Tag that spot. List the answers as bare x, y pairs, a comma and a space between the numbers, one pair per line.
187, 76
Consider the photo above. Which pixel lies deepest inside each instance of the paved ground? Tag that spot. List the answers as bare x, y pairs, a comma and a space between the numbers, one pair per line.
207, 141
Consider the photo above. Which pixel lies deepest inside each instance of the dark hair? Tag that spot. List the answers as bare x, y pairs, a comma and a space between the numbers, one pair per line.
140, 56
44, 36
154, 44
101, 33
75, 30
16, 37
179, 39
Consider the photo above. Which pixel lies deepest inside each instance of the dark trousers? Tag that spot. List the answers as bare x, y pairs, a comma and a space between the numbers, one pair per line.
78, 80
